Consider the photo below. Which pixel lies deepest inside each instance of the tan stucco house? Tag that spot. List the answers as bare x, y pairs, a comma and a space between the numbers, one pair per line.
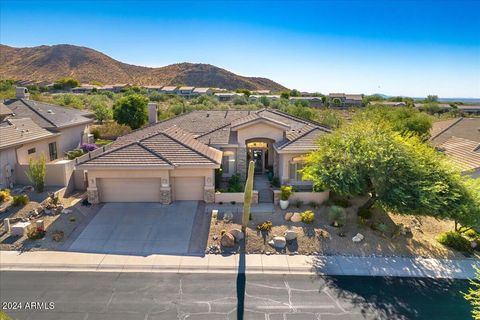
176, 159
30, 129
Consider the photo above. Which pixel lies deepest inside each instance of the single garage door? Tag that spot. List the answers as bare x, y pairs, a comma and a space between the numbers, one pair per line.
129, 190
188, 188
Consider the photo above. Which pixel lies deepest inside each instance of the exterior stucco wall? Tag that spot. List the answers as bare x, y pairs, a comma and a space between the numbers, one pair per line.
41, 148
259, 130
284, 161
8, 157
70, 138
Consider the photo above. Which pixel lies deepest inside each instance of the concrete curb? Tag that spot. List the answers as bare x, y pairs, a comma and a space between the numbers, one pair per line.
255, 264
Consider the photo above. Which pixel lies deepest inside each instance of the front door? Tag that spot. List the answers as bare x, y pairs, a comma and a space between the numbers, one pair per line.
259, 160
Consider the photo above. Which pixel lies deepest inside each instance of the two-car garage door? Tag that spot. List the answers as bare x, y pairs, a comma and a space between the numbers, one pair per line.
148, 189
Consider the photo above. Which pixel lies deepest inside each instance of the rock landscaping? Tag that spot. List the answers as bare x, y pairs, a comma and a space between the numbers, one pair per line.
333, 232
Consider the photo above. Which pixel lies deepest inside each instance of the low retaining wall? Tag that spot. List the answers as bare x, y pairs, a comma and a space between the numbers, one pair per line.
306, 197
227, 197
58, 174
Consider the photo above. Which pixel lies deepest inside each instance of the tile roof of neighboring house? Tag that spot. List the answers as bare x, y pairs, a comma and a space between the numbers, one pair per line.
170, 147
18, 131
186, 88
336, 95
47, 115
354, 97
465, 153
229, 94
169, 88
4, 110
201, 90
467, 128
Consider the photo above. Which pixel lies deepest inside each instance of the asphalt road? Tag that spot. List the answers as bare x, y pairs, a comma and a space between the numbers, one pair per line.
131, 296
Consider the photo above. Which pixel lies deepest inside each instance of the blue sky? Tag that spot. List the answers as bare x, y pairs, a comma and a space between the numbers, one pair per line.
410, 48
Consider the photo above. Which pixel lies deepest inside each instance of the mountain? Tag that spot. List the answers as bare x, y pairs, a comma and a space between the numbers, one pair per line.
50, 63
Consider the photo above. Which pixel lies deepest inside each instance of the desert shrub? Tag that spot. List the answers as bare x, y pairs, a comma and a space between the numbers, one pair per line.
455, 241
337, 216
112, 130
36, 172
75, 153
276, 182
5, 195
380, 226
96, 132
471, 233
235, 184
20, 200
341, 202
285, 192
265, 226
365, 213
298, 203
307, 216
36, 234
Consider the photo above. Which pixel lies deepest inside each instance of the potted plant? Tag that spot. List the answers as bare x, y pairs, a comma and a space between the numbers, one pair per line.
285, 193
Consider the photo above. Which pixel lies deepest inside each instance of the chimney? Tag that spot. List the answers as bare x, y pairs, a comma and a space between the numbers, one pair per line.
152, 112
22, 93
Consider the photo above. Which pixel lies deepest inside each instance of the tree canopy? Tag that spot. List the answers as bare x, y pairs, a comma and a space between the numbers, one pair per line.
403, 120
66, 83
399, 172
131, 110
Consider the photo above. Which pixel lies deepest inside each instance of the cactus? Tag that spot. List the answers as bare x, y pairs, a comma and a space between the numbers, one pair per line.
247, 200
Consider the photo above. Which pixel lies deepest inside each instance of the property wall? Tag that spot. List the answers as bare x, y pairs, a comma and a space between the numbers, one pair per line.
70, 138
7, 157
259, 130
227, 197
41, 148
57, 174
306, 197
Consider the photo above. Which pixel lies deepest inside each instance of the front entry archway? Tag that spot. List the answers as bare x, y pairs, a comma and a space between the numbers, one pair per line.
260, 150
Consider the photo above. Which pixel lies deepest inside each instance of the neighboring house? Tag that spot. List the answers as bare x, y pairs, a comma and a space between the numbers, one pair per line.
255, 97
21, 140
388, 103
314, 102
459, 139
185, 92
176, 159
119, 87
345, 100
169, 90
202, 91
227, 96
83, 89
153, 88
71, 124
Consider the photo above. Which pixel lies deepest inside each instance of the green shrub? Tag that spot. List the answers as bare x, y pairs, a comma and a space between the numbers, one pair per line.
235, 184
276, 182
96, 132
20, 200
265, 226
365, 213
285, 192
380, 226
75, 153
112, 131
471, 233
36, 234
36, 172
455, 241
337, 216
307, 216
5, 195
341, 202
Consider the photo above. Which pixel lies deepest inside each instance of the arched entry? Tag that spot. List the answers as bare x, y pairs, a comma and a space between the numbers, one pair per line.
260, 150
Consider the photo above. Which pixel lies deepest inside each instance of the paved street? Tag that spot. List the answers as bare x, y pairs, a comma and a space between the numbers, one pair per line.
101, 295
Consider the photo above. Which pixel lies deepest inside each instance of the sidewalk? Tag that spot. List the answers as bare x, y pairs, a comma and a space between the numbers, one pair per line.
255, 263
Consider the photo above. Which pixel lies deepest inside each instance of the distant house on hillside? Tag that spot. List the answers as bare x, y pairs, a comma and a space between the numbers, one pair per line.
389, 103
169, 90
255, 97
227, 96
345, 100
315, 102
85, 88
185, 92
202, 91
155, 88
459, 139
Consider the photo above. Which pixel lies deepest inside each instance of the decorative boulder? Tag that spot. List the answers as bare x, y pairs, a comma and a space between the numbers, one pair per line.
228, 216
296, 217
290, 235
358, 237
237, 234
227, 240
278, 242
288, 216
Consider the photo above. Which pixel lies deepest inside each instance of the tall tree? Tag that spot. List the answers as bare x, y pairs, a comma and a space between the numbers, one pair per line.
400, 173
131, 110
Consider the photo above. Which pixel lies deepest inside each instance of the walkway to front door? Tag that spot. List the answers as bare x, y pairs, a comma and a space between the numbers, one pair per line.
261, 183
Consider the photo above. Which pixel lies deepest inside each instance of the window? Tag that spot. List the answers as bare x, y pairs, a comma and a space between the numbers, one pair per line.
293, 173
32, 150
225, 165
228, 162
52, 150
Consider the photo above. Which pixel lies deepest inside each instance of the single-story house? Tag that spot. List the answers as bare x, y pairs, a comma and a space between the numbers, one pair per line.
153, 88
345, 100
83, 89
175, 159
227, 96
186, 92
459, 139
255, 97
202, 91
314, 102
169, 90
21, 140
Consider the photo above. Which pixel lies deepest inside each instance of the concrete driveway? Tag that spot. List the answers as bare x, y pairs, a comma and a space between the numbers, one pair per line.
146, 228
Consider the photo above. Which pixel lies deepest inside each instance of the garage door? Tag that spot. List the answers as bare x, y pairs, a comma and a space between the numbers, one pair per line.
188, 188
129, 190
